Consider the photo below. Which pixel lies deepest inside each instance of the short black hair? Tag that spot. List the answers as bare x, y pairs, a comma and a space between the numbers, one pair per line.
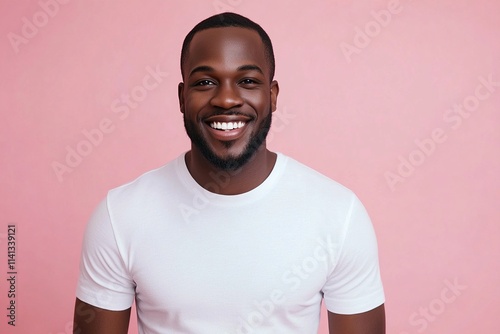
228, 19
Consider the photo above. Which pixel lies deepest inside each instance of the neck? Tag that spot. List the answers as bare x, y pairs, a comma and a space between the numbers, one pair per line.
245, 178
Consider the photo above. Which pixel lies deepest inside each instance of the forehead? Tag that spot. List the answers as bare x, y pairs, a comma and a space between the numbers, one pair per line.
226, 48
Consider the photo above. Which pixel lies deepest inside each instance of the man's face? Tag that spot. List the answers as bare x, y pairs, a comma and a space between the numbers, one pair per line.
227, 98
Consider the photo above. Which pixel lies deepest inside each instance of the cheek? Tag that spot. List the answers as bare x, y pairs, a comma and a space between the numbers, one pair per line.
194, 102
258, 99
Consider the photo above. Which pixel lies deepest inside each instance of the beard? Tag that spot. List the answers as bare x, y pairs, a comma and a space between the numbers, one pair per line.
229, 163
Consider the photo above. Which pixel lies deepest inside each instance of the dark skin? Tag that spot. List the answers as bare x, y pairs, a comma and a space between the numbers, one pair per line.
90, 319
226, 69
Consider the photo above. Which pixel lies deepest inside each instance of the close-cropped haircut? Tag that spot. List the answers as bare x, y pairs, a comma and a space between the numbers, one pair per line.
229, 20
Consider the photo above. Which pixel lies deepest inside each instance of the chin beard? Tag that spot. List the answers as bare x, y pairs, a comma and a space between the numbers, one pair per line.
230, 163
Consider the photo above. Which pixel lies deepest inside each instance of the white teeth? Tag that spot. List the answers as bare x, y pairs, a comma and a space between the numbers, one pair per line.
227, 125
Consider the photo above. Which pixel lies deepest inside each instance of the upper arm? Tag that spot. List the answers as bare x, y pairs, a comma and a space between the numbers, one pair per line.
371, 322
354, 283
104, 280
89, 319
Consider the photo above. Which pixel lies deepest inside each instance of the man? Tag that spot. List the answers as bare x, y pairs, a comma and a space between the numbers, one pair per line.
230, 237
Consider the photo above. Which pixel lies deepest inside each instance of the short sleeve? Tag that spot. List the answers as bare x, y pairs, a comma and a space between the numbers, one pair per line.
104, 281
354, 284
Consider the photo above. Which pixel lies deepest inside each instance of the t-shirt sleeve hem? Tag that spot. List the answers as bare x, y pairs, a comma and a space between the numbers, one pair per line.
359, 305
119, 303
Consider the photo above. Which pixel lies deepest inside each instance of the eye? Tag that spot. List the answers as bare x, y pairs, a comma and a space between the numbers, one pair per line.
249, 81
204, 83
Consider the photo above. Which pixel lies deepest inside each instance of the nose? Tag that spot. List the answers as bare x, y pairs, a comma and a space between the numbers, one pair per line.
227, 96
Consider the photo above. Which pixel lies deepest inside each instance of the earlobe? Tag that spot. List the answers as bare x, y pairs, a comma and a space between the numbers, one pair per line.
274, 95
180, 89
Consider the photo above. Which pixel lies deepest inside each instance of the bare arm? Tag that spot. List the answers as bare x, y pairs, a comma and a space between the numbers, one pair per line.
371, 322
93, 320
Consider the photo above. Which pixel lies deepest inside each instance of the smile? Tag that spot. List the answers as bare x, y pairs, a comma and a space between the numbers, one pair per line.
226, 126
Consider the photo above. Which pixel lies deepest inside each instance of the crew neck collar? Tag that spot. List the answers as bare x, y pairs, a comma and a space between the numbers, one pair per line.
219, 179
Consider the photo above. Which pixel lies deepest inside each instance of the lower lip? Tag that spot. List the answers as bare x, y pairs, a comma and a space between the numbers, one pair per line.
227, 135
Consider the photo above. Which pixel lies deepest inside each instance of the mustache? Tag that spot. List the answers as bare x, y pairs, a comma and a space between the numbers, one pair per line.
227, 113
230, 112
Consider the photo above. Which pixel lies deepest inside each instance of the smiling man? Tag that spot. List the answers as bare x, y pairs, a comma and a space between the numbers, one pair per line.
256, 254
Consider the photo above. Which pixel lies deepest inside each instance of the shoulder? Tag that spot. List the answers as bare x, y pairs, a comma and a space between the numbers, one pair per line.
311, 181
146, 185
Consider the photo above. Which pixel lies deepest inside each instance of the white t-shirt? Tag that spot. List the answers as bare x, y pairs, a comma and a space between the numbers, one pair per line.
258, 262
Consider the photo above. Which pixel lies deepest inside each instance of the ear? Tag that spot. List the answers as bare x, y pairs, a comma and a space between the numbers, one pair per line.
275, 89
180, 89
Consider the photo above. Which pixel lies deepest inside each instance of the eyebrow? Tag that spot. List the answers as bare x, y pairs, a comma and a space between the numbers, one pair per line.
202, 68
250, 68
205, 68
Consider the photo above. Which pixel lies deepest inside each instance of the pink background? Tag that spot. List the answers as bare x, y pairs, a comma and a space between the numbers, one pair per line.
355, 117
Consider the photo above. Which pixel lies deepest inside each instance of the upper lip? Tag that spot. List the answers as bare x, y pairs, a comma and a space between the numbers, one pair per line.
228, 117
